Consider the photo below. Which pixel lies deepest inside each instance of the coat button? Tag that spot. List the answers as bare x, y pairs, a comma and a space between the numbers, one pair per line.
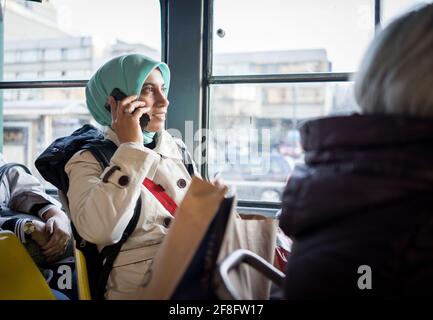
181, 183
166, 222
123, 181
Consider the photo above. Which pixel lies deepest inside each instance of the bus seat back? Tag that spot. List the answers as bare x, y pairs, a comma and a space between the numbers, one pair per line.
20, 278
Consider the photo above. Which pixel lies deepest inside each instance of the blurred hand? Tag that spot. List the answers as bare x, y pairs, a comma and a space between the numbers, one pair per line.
125, 118
218, 181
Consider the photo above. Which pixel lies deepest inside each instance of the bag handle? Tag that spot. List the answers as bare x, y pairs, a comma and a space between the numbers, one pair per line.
103, 154
110, 253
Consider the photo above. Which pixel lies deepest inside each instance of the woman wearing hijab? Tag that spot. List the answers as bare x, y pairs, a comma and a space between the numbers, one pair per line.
102, 202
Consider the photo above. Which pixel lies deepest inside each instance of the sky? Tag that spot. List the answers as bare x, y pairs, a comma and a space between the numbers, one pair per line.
108, 20
343, 27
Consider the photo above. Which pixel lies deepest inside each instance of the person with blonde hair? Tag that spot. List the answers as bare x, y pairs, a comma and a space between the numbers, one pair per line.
360, 210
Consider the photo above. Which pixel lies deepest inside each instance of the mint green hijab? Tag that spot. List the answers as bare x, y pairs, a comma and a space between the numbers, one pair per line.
128, 73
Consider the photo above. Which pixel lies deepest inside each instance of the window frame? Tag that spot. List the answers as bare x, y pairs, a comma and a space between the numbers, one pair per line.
45, 84
209, 80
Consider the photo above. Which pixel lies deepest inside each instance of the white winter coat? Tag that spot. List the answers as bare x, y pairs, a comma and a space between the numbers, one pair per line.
101, 210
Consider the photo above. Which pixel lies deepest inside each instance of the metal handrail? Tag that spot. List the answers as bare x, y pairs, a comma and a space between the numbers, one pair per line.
252, 259
282, 78
43, 84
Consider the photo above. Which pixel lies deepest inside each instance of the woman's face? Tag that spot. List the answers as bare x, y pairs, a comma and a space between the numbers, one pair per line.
152, 93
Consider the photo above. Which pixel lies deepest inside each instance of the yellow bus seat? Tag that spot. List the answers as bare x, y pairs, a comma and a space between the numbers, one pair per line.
82, 278
20, 278
80, 260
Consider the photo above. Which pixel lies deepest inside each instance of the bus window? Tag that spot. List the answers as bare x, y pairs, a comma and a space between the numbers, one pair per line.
289, 36
59, 40
274, 66
253, 124
33, 118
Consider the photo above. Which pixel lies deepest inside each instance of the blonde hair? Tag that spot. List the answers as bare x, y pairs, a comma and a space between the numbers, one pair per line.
396, 73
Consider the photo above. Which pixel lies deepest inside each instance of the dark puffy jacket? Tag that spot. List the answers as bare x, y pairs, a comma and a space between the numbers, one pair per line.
364, 198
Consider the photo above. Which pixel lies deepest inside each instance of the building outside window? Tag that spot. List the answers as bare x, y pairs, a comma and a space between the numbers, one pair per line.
43, 41
296, 59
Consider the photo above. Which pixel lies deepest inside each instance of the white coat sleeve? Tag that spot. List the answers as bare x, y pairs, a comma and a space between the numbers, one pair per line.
102, 204
26, 192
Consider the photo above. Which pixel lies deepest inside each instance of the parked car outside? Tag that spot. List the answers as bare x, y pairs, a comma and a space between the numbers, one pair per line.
262, 178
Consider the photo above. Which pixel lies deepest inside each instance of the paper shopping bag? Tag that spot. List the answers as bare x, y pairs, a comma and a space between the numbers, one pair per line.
197, 283
193, 218
205, 231
257, 234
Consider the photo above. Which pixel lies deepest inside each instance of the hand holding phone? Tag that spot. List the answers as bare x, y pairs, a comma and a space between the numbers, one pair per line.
127, 125
118, 95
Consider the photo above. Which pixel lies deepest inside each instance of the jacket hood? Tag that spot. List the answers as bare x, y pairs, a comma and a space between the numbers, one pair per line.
127, 73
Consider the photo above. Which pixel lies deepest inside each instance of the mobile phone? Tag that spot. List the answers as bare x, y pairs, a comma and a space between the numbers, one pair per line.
118, 95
